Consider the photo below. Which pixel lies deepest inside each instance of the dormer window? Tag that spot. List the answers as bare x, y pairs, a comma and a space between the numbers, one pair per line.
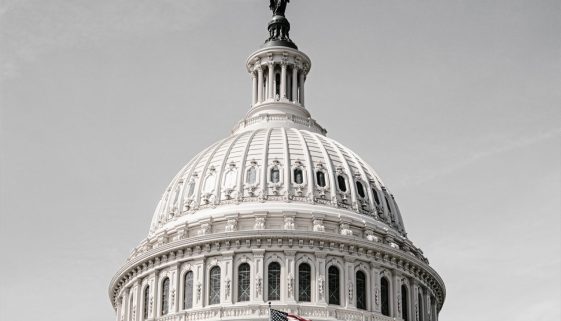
360, 189
251, 175
298, 176
376, 197
320, 178
275, 175
341, 183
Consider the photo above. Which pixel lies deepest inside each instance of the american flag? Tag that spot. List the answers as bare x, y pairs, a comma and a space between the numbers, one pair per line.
277, 315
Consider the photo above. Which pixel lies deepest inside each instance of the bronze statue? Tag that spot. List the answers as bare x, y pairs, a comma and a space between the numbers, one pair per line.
278, 7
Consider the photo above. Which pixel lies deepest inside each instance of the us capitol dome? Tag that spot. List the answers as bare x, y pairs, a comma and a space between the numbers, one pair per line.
277, 212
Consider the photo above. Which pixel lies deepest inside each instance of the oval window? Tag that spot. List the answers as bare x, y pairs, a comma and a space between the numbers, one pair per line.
320, 178
298, 176
275, 175
360, 189
341, 183
251, 176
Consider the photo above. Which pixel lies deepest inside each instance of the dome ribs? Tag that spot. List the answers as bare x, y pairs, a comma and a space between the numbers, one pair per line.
309, 163
243, 164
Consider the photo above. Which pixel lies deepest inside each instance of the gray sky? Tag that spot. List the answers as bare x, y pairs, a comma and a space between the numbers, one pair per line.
456, 104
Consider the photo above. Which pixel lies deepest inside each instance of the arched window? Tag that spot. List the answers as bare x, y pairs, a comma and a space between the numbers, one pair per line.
243, 282
320, 178
275, 175
214, 286
298, 176
360, 189
304, 283
385, 296
360, 280
165, 296
341, 183
145, 302
376, 197
251, 175
277, 84
273, 281
188, 290
421, 306
404, 303
333, 285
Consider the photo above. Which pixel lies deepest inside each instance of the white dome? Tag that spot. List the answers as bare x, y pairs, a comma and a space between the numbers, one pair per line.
277, 212
239, 170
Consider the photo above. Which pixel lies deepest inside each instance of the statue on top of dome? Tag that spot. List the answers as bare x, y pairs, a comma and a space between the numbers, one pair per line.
278, 7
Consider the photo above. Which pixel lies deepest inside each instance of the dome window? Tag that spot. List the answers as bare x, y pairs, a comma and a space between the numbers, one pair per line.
145, 302
360, 280
165, 296
191, 189
214, 288
385, 294
304, 283
404, 303
243, 282
333, 282
376, 197
188, 290
273, 281
275, 175
230, 178
320, 178
360, 189
341, 183
209, 184
298, 176
251, 175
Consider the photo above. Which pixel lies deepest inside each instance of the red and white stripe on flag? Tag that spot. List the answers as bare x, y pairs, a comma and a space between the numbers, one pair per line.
296, 317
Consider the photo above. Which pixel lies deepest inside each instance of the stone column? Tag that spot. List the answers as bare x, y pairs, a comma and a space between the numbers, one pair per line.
138, 300
302, 79
253, 88
349, 283
227, 278
125, 305
271, 94
259, 84
321, 279
119, 308
174, 289
295, 84
376, 297
258, 276
199, 281
283, 81
290, 276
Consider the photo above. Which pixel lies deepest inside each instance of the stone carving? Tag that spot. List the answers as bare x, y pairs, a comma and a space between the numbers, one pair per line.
231, 225
172, 296
134, 312
345, 229
199, 290
258, 285
318, 225
289, 223
259, 223
150, 305
321, 286
399, 303
370, 236
290, 284
377, 296
227, 286
204, 229
350, 289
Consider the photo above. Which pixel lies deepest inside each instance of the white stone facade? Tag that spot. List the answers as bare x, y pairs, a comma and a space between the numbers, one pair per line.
277, 212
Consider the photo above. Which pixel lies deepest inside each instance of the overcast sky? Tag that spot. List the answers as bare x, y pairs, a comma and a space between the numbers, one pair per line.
456, 104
